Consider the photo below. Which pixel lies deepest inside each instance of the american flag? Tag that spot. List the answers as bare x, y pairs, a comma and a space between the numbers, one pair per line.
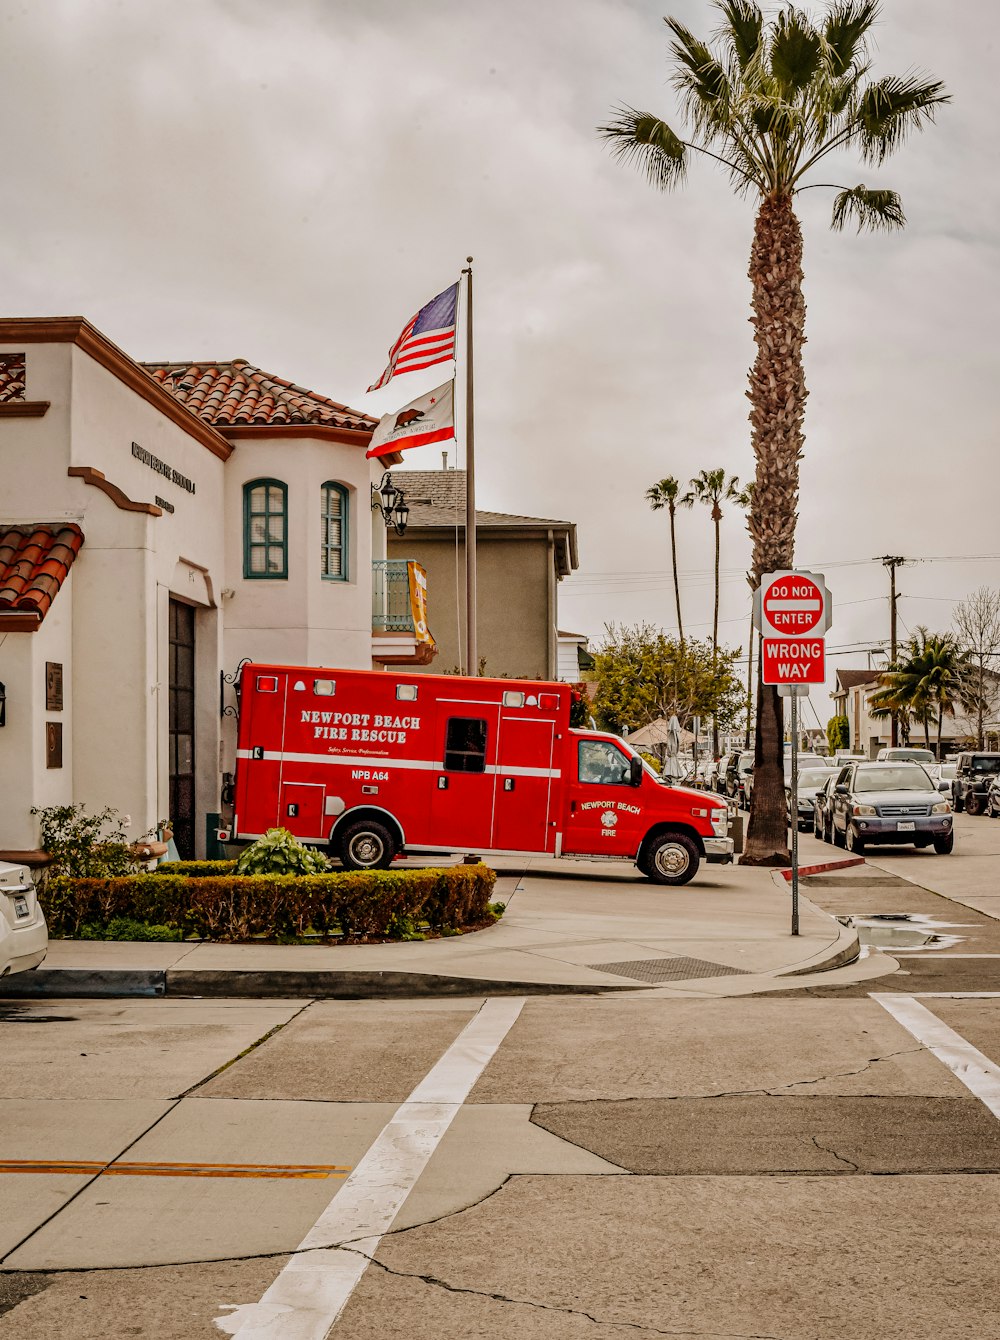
427, 338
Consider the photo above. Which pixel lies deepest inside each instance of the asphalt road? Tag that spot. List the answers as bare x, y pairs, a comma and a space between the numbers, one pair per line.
793, 1166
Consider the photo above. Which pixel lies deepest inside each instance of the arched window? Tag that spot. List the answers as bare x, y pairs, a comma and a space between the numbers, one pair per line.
265, 528
333, 532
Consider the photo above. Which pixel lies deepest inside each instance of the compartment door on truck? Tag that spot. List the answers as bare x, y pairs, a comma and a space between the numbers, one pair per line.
604, 810
262, 730
462, 783
523, 815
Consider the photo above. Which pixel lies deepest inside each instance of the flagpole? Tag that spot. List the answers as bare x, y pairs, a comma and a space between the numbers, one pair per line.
472, 648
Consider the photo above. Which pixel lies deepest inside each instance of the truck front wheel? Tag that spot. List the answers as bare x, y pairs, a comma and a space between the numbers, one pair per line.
671, 859
366, 845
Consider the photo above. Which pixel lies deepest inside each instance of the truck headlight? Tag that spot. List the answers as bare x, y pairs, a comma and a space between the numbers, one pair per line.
942, 807
863, 809
720, 822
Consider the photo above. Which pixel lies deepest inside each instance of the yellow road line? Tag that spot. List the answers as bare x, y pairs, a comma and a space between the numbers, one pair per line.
51, 1167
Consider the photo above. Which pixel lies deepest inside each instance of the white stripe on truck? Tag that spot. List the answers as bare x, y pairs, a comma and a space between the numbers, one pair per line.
370, 761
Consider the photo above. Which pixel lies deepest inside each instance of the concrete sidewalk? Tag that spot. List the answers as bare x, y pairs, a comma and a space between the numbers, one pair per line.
569, 927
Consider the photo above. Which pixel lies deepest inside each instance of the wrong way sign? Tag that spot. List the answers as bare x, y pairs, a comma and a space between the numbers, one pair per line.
802, 661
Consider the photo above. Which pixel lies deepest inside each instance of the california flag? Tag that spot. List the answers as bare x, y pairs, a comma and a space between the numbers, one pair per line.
429, 418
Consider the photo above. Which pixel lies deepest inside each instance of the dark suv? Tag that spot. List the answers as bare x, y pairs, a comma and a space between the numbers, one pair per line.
737, 767
974, 773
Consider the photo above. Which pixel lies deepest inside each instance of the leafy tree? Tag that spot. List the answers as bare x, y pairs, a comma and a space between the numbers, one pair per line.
838, 733
769, 102
643, 675
666, 493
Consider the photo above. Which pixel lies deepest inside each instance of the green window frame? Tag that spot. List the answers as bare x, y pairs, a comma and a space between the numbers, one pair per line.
265, 530
334, 530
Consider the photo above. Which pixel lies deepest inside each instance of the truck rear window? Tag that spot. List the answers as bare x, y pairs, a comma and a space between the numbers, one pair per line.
465, 745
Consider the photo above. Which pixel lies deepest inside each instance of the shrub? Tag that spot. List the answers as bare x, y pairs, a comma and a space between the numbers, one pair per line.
195, 868
243, 907
85, 845
126, 928
279, 853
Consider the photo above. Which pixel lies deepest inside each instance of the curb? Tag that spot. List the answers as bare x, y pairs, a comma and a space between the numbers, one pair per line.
62, 983
846, 949
806, 870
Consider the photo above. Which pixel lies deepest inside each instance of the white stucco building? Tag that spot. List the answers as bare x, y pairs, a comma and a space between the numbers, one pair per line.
159, 524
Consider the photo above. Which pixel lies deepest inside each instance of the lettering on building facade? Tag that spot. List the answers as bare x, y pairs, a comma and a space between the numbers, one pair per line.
162, 468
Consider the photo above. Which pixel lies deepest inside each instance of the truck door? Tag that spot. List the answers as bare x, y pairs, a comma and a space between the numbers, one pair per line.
262, 728
462, 797
604, 810
302, 809
523, 817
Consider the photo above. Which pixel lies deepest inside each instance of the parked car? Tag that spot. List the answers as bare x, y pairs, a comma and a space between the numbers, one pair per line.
823, 807
890, 804
943, 772
992, 806
905, 755
975, 773
806, 761
811, 782
24, 936
739, 765
722, 772
842, 760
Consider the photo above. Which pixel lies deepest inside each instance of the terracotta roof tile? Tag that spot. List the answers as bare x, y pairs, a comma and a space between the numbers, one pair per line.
34, 561
228, 395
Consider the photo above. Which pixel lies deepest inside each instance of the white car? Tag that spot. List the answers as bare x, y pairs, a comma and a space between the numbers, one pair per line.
24, 936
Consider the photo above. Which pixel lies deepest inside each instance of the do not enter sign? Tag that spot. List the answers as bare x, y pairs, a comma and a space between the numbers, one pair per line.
793, 605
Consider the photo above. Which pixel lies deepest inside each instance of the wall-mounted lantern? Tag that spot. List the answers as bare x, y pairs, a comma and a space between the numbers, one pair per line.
391, 503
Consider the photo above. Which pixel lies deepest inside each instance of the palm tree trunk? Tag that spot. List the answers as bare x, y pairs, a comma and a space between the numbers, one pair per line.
940, 722
677, 585
746, 733
777, 396
715, 631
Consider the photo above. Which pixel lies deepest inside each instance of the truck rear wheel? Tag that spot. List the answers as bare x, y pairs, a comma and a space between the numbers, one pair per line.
366, 845
671, 859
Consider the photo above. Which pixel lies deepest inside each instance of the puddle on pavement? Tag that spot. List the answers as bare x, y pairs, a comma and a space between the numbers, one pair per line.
906, 930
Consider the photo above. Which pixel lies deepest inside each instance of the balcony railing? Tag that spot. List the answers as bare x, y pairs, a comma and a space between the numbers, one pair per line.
391, 610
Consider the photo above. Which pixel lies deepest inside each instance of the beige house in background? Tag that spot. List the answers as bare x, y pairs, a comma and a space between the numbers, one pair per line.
520, 562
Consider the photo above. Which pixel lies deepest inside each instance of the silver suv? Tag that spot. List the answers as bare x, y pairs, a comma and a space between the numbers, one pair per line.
24, 936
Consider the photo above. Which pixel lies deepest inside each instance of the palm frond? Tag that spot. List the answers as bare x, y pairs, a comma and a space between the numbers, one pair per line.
643, 139
742, 30
847, 25
700, 73
892, 107
878, 211
796, 50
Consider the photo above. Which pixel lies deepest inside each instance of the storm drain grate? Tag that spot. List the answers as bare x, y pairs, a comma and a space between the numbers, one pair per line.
678, 969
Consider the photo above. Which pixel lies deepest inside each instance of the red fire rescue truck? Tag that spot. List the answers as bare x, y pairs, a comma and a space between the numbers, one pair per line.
370, 764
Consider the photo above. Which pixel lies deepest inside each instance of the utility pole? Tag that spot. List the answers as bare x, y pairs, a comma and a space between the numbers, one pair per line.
892, 562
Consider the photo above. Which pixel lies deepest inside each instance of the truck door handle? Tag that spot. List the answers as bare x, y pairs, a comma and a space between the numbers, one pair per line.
572, 807
508, 783
442, 783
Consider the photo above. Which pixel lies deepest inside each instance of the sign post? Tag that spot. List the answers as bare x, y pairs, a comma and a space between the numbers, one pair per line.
792, 611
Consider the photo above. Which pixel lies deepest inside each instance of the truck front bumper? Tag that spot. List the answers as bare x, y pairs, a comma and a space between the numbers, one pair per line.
719, 851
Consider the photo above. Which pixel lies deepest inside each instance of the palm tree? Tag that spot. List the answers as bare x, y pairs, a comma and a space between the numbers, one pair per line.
744, 499
769, 102
712, 488
665, 494
925, 683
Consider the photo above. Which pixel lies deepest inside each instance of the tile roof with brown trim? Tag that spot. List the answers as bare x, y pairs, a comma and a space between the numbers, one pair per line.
849, 679
237, 394
34, 561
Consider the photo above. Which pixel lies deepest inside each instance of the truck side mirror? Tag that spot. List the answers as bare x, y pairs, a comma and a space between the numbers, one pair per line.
841, 789
944, 786
635, 772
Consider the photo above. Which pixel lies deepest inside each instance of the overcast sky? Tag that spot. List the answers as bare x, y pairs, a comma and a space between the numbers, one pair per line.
288, 183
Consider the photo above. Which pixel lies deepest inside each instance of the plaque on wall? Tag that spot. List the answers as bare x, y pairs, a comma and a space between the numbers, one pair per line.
53, 744
53, 686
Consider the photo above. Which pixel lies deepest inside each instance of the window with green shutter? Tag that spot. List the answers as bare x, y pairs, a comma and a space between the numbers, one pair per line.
265, 529
333, 532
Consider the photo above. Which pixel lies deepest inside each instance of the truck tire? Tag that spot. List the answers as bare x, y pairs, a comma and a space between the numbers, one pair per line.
366, 845
672, 858
973, 803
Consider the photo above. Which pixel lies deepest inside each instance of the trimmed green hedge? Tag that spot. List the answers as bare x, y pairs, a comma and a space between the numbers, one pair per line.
194, 868
244, 907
